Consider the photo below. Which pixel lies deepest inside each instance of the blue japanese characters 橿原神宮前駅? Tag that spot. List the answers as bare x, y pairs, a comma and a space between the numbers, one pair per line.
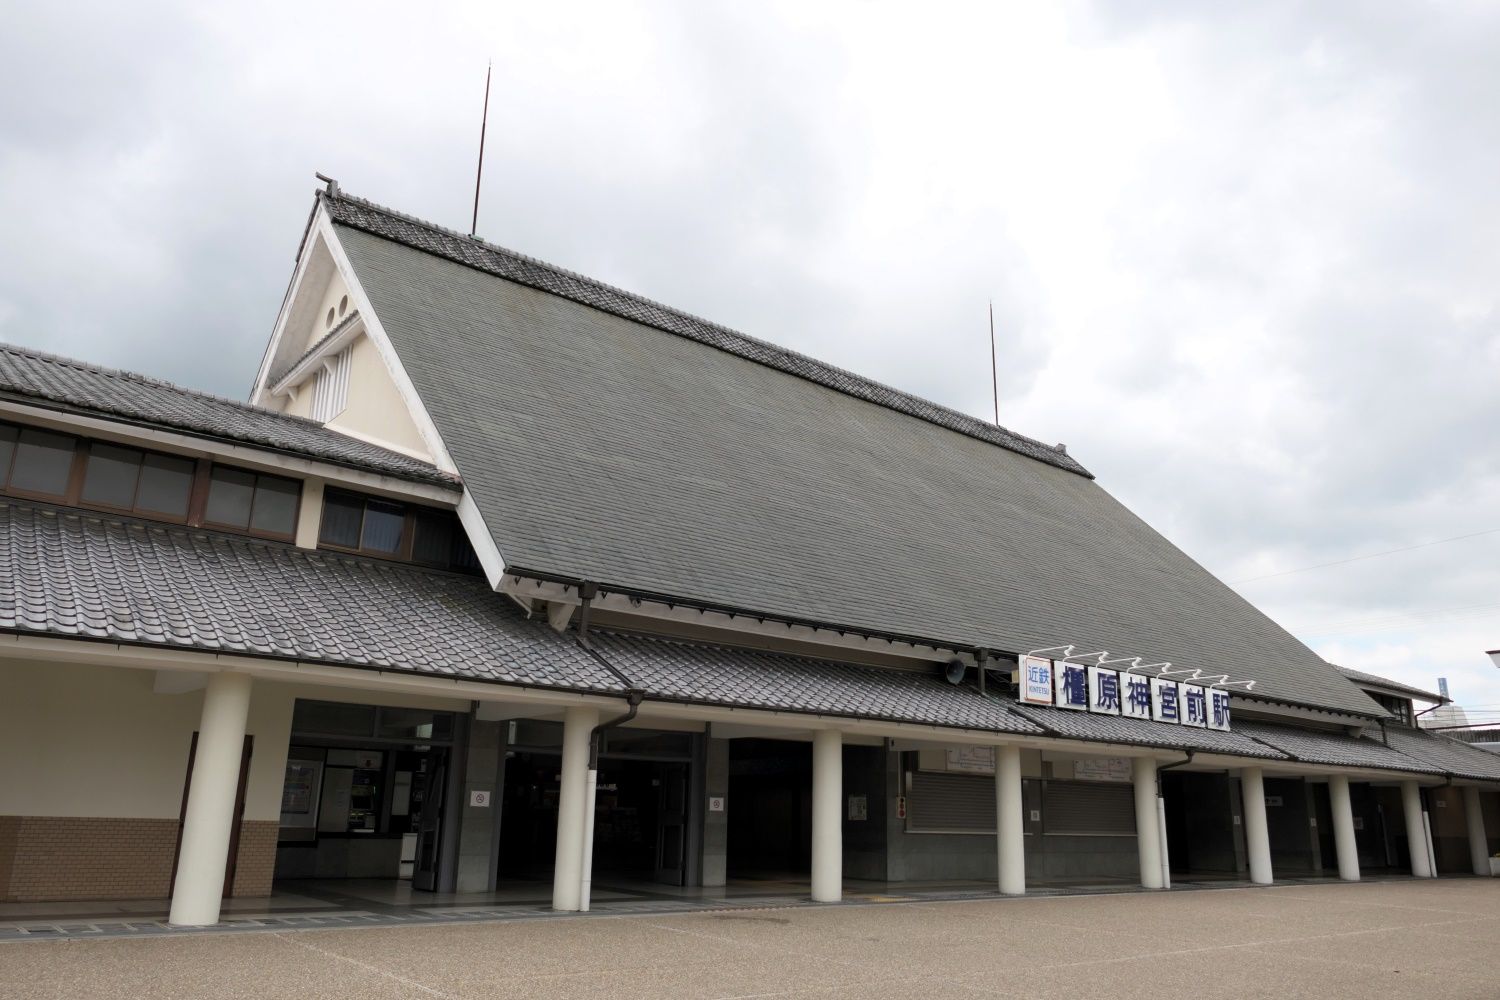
1105, 691
1072, 683
1135, 696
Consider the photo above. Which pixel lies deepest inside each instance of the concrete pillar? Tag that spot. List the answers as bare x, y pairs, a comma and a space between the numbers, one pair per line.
1479, 852
1416, 828
1257, 836
1010, 830
1344, 845
206, 828
578, 723
1148, 846
716, 822
828, 816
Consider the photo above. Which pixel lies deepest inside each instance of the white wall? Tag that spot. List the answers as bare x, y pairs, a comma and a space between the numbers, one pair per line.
81, 740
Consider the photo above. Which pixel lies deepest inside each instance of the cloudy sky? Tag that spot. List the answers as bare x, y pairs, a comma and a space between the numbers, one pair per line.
1243, 257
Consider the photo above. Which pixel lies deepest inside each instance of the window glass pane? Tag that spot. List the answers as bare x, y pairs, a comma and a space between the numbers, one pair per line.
43, 460
530, 733
7, 449
276, 505
383, 523
166, 482
230, 492
333, 718
341, 520
415, 724
111, 475
434, 540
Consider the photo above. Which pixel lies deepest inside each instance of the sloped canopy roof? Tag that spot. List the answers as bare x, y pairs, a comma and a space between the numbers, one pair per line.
602, 441
85, 576
38, 377
1371, 680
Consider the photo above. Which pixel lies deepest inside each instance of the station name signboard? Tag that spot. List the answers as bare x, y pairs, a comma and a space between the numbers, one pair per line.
1105, 691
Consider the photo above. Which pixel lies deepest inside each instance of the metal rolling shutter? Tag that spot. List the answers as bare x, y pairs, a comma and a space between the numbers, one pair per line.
1088, 807
958, 802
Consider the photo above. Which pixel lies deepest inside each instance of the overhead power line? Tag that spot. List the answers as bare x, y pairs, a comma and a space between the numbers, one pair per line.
1372, 555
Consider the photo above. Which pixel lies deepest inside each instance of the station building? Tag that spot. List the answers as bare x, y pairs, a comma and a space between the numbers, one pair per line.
505, 574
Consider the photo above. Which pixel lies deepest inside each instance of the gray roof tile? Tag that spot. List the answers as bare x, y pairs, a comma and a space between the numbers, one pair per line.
1362, 678
1315, 746
475, 253
604, 444
1445, 753
77, 575
37, 376
1098, 728
691, 672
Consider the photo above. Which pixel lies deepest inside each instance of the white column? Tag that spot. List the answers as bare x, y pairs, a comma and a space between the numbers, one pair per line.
1344, 844
828, 816
578, 723
1416, 829
1010, 831
1148, 846
1479, 850
209, 822
1257, 837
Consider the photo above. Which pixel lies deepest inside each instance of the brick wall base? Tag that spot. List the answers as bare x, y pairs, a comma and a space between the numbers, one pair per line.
51, 858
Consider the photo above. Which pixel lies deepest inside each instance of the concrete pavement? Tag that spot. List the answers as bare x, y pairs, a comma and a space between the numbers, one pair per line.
1435, 939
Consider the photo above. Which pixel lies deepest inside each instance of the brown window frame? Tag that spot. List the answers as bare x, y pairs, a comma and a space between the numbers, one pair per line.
405, 551
205, 477
72, 496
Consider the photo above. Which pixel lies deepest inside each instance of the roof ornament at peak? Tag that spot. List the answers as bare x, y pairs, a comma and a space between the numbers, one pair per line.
333, 185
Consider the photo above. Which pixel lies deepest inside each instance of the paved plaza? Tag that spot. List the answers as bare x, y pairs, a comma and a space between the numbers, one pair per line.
1433, 939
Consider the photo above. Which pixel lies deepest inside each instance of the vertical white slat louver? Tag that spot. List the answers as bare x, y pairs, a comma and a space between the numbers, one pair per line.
331, 388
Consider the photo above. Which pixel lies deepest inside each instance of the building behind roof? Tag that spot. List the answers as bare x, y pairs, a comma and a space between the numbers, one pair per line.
485, 522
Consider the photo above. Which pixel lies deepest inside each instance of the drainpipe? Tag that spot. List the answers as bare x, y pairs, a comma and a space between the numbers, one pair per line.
634, 697
1161, 820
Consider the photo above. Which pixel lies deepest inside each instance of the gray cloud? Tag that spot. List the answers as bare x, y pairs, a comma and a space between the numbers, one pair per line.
1242, 258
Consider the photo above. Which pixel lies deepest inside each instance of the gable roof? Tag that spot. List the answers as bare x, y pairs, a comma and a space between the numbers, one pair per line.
603, 441
1371, 680
46, 379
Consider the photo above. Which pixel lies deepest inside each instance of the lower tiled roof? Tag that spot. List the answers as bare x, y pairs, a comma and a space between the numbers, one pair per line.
679, 671
1094, 728
1444, 753
36, 375
1314, 746
69, 574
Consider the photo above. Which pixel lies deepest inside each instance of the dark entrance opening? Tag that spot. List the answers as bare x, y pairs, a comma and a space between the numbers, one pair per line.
770, 823
642, 803
367, 794
1200, 823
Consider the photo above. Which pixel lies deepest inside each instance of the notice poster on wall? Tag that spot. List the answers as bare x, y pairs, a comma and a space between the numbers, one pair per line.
976, 760
1102, 769
297, 788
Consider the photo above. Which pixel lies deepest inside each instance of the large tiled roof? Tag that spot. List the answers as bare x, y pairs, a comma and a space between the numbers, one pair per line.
1314, 746
1362, 678
1445, 753
1073, 725
603, 441
36, 376
690, 672
523, 270
76, 575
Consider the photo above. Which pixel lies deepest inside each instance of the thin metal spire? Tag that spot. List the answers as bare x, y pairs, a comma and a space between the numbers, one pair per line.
994, 372
479, 174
